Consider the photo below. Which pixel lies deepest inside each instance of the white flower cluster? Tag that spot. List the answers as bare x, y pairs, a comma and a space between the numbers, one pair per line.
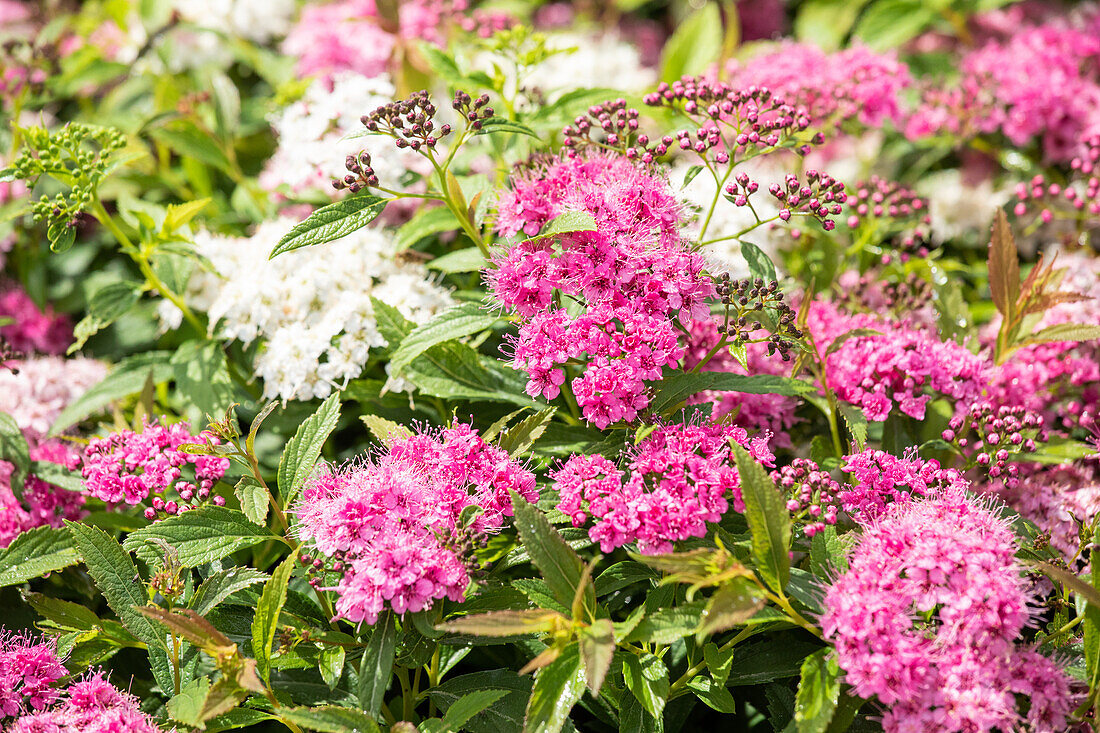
959, 209
255, 20
43, 387
311, 306
314, 136
601, 60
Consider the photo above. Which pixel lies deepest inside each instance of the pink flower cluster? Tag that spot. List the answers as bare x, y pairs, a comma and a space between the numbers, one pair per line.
42, 387
813, 494
397, 529
349, 35
33, 330
678, 479
42, 504
926, 620
28, 671
631, 278
765, 412
128, 466
855, 83
895, 367
1000, 90
91, 705
880, 479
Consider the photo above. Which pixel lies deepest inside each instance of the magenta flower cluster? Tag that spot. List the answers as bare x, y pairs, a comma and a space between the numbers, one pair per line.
129, 466
896, 366
625, 284
33, 330
28, 671
854, 83
880, 479
395, 529
678, 479
926, 619
91, 705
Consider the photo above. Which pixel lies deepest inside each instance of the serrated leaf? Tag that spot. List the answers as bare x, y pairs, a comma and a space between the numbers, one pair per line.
199, 536
690, 175
499, 124
63, 613
713, 694
192, 627
117, 578
718, 662
466, 707
376, 667
187, 706
597, 648
559, 564
558, 687
505, 714
760, 265
677, 386
1065, 332
329, 719
253, 498
385, 431
391, 324
177, 215
517, 440
733, 603
127, 378
856, 422
58, 475
570, 221
1004, 267
106, 305
34, 553
451, 324
647, 678
202, 376
266, 620
14, 449
768, 520
331, 222
425, 223
300, 455
818, 692
667, 625
330, 663
506, 623
222, 585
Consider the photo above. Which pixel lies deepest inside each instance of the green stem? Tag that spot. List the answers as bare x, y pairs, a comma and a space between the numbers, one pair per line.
710, 354
714, 201
678, 686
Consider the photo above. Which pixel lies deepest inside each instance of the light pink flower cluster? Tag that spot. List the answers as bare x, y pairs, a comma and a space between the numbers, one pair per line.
894, 368
33, 330
678, 479
632, 277
28, 671
397, 529
765, 412
880, 479
855, 83
128, 466
42, 504
91, 705
349, 35
926, 620
1000, 90
42, 387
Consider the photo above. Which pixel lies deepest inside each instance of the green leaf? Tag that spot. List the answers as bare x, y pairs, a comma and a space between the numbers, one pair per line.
253, 498
647, 678
187, 706
694, 46
330, 662
385, 431
713, 694
889, 23
718, 662
128, 377
505, 714
826, 22
34, 553
461, 260
63, 613
106, 306
189, 142
14, 449
177, 215
633, 718
1065, 332
669, 624
597, 647
58, 475
692, 172
558, 687
425, 223
222, 585
760, 265
331, 222
500, 124
818, 692
623, 574
517, 440
506, 623
199, 536
391, 324
61, 236
202, 376
376, 668
559, 564
329, 719
540, 594
768, 519
453, 323
677, 386
266, 620
847, 336
735, 602
117, 578
856, 422
466, 707
570, 221
454, 371
304, 449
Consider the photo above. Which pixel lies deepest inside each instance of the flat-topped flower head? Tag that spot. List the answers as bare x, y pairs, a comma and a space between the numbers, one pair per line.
29, 669
90, 705
399, 530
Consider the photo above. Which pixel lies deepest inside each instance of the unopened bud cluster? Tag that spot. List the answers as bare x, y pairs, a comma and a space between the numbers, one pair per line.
821, 197
1078, 199
1001, 435
752, 304
879, 197
611, 126
813, 495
